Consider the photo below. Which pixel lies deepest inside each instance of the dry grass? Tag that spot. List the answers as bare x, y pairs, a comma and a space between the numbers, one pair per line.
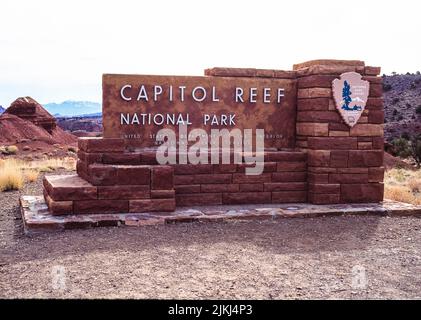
403, 185
14, 172
11, 176
31, 175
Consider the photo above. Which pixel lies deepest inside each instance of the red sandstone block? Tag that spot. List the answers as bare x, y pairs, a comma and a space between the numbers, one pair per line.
186, 189
365, 145
216, 188
289, 196
162, 194
285, 186
82, 169
198, 199
363, 119
265, 73
190, 169
319, 81
133, 175
243, 178
58, 207
329, 63
312, 129
123, 192
318, 178
318, 158
289, 176
348, 178
376, 174
89, 158
275, 156
246, 197
324, 188
365, 158
353, 170
375, 103
101, 144
101, 175
318, 116
372, 71
322, 170
162, 178
283, 166
318, 198
231, 72
378, 143
148, 157
339, 158
367, 130
251, 187
152, 205
369, 192
338, 127
376, 116
376, 90
314, 93
339, 133
183, 180
224, 168
212, 178
332, 143
121, 158
267, 167
100, 206
69, 187
284, 74
315, 104
301, 144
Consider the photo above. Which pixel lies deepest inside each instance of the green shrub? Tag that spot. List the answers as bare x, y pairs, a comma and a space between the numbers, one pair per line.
387, 87
401, 148
405, 135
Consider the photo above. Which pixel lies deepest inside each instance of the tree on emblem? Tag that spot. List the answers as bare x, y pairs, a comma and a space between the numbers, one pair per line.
346, 96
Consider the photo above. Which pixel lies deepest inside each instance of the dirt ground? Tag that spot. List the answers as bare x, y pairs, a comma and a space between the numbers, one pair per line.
347, 257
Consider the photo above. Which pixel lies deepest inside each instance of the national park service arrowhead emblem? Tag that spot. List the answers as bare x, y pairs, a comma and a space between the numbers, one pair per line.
350, 93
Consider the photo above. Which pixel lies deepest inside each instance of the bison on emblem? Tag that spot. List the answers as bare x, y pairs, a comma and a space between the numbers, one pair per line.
350, 93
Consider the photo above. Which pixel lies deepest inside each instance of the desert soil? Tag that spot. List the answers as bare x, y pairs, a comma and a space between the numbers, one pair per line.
332, 257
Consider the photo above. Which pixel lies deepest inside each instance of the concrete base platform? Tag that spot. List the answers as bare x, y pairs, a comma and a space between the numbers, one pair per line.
36, 217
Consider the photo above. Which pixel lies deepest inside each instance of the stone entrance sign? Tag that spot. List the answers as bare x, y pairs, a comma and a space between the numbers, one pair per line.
136, 107
314, 152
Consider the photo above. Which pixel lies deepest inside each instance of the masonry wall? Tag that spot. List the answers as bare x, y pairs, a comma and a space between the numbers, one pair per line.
331, 162
345, 165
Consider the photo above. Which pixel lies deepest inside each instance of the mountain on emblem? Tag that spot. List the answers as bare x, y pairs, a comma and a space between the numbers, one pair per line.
350, 93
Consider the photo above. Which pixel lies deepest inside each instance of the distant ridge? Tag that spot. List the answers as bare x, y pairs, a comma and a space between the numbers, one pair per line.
71, 108
2, 109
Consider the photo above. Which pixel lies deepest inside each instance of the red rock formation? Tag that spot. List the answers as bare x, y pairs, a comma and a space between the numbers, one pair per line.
27, 108
26, 119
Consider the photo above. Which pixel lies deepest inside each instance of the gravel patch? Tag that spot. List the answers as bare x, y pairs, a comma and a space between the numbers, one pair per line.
346, 257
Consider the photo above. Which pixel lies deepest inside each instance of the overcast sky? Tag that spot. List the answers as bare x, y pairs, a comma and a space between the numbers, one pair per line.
57, 50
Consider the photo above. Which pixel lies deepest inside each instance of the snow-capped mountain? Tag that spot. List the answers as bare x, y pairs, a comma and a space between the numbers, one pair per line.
73, 108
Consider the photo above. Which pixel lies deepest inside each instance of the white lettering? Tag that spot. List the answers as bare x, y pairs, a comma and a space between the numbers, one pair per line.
127, 86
